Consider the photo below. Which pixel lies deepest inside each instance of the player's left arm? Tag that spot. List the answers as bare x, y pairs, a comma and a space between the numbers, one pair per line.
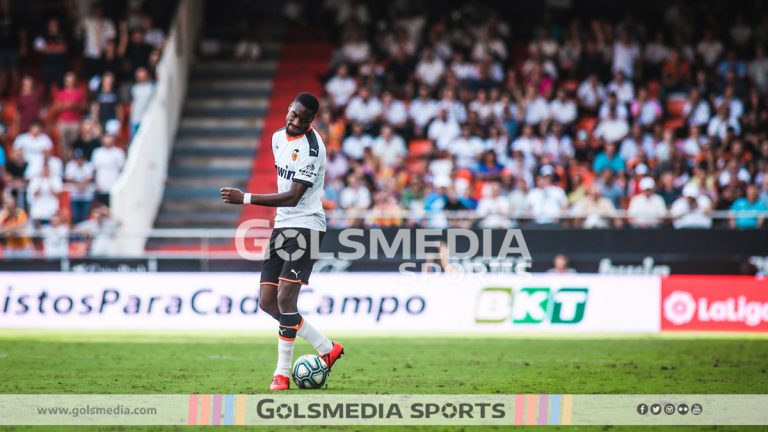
281, 199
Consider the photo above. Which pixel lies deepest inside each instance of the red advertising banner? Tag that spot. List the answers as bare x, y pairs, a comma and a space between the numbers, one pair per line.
714, 303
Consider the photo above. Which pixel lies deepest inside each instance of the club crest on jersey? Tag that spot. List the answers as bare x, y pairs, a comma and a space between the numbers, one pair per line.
295, 154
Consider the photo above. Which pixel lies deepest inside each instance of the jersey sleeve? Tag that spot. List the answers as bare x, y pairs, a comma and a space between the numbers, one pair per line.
309, 162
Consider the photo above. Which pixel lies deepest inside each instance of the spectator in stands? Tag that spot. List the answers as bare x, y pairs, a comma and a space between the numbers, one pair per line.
609, 159
33, 143
546, 202
69, 104
141, 95
645, 110
355, 198
13, 229
466, 148
596, 210
590, 94
106, 103
53, 46
88, 140
563, 110
692, 210
393, 111
43, 196
561, 265
101, 228
13, 44
97, 31
535, 107
154, 36
78, 179
389, 148
613, 128
29, 104
430, 69
341, 87
622, 88
354, 145
696, 109
709, 48
16, 182
364, 108
422, 110
55, 238
489, 167
108, 161
54, 164
646, 209
610, 188
493, 208
745, 209
443, 130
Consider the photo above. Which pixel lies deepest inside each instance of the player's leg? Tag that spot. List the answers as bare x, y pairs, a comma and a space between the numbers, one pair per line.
268, 299
295, 274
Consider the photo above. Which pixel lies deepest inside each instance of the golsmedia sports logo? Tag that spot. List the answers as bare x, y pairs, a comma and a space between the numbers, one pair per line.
531, 305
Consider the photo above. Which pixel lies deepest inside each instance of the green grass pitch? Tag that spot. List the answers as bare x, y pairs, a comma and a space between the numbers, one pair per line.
119, 362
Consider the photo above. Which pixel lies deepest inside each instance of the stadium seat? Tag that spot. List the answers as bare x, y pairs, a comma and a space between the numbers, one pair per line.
675, 107
588, 124
465, 174
674, 124
653, 89
420, 148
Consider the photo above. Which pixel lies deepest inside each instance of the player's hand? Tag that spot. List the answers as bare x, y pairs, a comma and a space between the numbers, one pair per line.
231, 195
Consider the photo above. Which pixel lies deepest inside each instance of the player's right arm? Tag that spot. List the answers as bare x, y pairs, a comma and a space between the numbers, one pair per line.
281, 199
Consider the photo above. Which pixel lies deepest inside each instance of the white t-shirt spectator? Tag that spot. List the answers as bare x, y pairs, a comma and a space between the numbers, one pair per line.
31, 146
389, 151
612, 130
356, 51
700, 115
563, 112
443, 132
107, 162
454, 108
141, 95
537, 110
625, 91
589, 95
42, 197
547, 204
495, 212
422, 111
557, 148
77, 173
430, 72
649, 111
396, 113
55, 241
685, 217
363, 111
526, 145
355, 197
341, 89
624, 56
709, 50
735, 106
605, 111
466, 151
646, 211
354, 146
97, 33
35, 167
717, 127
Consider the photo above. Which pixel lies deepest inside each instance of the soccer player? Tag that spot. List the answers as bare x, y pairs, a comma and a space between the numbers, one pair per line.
300, 161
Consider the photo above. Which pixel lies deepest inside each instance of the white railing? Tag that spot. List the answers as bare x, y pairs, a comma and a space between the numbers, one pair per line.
137, 195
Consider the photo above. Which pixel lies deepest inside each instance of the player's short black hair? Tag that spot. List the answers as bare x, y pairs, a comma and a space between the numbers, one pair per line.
308, 101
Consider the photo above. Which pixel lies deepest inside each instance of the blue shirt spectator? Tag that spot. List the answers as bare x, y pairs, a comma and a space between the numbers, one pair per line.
609, 159
750, 203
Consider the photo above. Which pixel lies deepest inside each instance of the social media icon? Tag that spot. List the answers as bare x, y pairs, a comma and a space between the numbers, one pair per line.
669, 409
682, 409
642, 409
655, 409
696, 409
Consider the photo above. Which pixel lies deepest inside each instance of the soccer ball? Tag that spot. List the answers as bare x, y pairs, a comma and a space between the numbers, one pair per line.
309, 372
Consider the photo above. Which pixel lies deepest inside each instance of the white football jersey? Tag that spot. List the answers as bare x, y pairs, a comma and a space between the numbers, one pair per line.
300, 159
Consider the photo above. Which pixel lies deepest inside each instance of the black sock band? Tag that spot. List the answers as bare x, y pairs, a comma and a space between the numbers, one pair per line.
289, 326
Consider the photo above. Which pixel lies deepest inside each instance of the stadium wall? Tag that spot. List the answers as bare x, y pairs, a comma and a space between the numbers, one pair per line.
136, 196
387, 302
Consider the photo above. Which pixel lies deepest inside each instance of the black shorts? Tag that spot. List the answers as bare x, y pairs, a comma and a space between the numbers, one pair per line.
289, 256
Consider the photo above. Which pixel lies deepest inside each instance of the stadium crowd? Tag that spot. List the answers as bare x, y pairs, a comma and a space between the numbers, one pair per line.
585, 120
73, 89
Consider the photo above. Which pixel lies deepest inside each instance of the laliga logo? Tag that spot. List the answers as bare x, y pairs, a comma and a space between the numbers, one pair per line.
679, 307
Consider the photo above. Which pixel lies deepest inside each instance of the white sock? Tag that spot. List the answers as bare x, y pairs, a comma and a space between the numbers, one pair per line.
321, 343
284, 357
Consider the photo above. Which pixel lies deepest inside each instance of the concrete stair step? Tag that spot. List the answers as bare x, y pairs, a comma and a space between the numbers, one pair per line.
228, 83
170, 219
222, 123
198, 93
227, 102
208, 172
228, 162
194, 205
208, 132
224, 112
246, 153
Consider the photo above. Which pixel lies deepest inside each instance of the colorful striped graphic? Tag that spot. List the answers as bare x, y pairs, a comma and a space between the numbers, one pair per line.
530, 409
554, 418
519, 407
218, 409
567, 408
542, 409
